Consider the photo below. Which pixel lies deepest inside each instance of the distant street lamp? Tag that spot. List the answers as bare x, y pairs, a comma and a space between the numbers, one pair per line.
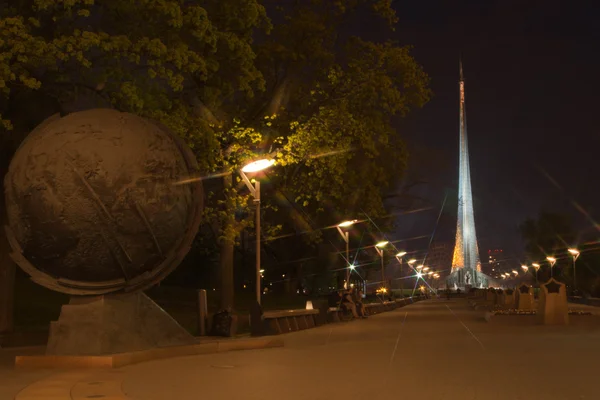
346, 236
253, 167
575, 253
400, 256
379, 248
552, 261
537, 267
525, 268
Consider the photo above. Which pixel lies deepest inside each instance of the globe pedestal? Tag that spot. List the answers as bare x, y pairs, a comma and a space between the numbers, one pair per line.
100, 206
111, 324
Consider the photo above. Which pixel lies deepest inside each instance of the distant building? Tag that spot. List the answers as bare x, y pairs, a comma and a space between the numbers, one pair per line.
495, 257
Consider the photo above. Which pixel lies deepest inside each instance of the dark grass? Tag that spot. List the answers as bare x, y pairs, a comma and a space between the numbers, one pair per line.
36, 307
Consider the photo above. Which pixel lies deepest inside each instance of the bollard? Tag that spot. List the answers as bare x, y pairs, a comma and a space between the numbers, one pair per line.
202, 312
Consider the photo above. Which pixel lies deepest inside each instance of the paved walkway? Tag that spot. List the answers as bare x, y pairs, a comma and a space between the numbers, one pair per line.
435, 349
12, 381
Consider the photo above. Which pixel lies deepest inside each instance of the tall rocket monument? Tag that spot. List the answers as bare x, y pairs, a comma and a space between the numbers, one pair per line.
466, 266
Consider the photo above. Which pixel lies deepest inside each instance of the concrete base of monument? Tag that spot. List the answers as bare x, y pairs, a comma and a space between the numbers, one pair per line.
122, 359
113, 324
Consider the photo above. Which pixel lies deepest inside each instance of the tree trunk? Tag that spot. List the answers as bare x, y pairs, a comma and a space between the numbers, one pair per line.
7, 274
226, 248
7, 282
226, 266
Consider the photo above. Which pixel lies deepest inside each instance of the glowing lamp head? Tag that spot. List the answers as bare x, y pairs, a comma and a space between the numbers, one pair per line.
551, 259
425, 268
382, 244
346, 224
574, 252
258, 165
412, 261
515, 272
401, 254
536, 265
525, 267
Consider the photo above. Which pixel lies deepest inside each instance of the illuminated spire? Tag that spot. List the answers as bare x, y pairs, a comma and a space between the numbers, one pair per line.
465, 260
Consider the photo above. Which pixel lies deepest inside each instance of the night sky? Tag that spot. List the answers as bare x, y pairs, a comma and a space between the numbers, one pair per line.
531, 70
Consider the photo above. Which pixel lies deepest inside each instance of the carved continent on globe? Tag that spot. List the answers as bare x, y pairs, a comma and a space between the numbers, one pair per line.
93, 205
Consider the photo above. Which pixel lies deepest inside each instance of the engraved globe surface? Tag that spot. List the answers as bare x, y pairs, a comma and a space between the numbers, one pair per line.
94, 206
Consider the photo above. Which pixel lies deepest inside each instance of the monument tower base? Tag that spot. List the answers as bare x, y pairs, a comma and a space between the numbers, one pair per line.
464, 279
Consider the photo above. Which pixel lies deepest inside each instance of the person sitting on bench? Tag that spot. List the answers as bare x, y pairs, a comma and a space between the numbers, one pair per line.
349, 303
360, 306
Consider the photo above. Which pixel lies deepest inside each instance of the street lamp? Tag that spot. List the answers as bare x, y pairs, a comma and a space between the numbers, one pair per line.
552, 261
346, 236
537, 267
253, 167
379, 248
575, 253
399, 257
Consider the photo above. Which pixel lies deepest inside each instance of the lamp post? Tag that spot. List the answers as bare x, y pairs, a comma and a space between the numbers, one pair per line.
410, 264
379, 248
253, 167
346, 236
575, 253
537, 267
525, 269
552, 261
400, 256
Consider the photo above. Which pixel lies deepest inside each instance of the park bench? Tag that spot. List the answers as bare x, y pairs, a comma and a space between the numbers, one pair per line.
284, 321
376, 308
281, 321
339, 314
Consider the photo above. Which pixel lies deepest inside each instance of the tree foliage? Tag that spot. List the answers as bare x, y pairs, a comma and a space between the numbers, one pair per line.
237, 79
546, 234
550, 234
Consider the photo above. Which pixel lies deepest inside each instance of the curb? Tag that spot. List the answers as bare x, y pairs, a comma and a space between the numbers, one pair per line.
123, 359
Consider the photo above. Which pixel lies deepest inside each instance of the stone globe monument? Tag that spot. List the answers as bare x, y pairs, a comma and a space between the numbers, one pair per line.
95, 210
